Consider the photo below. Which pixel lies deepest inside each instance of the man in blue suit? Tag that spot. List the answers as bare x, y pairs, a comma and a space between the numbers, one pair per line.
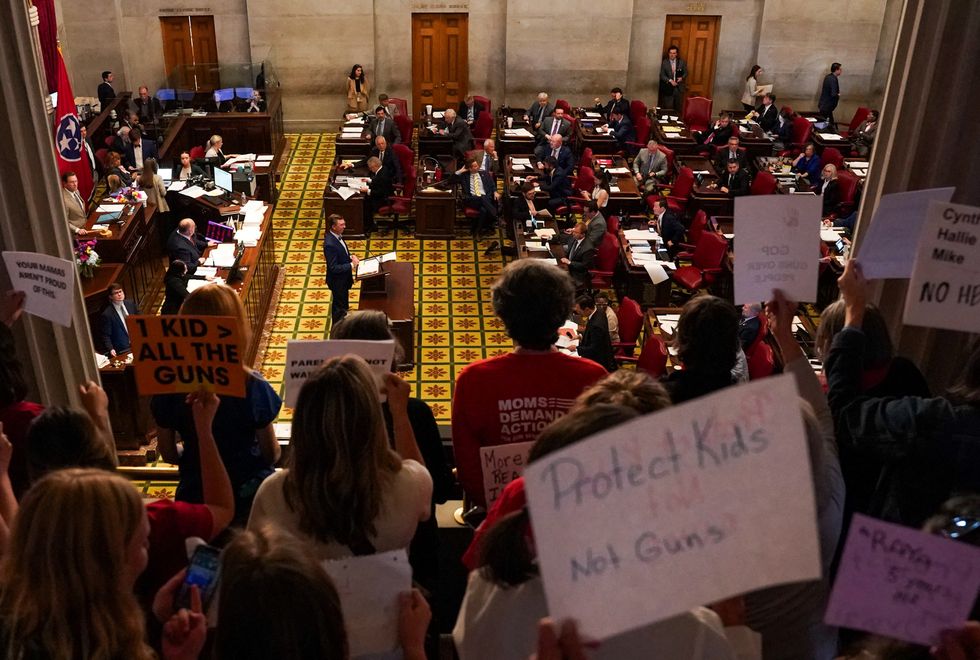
830, 94
138, 150
480, 193
553, 148
341, 265
113, 335
621, 128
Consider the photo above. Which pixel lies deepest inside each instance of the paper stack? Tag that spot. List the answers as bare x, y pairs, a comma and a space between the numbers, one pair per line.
223, 255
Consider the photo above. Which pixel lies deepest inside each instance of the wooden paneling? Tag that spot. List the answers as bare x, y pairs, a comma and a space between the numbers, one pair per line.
697, 39
190, 51
205, 52
440, 64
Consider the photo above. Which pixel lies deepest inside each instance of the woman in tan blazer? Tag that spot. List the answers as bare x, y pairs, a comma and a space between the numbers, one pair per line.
357, 90
152, 184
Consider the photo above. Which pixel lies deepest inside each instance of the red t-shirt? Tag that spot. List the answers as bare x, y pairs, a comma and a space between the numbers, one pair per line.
513, 498
170, 524
16, 419
510, 398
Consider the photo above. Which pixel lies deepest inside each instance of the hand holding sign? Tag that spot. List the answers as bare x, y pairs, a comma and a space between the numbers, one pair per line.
47, 284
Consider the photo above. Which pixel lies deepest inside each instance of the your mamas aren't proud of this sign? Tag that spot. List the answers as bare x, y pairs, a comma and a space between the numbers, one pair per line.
676, 509
944, 291
187, 353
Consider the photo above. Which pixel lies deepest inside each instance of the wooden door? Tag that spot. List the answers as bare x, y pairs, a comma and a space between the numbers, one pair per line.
440, 59
697, 39
190, 52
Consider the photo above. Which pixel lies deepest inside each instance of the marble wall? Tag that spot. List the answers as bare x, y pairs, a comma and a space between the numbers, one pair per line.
516, 47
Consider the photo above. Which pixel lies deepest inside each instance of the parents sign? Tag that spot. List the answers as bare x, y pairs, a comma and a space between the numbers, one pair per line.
676, 509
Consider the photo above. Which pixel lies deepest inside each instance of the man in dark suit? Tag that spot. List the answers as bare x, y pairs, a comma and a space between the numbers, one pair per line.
385, 154
673, 73
621, 128
459, 133
735, 181
830, 94
594, 344
470, 109
729, 153
106, 93
666, 223
341, 266
147, 108
767, 114
578, 255
480, 193
616, 103
114, 335
185, 245
378, 191
89, 152
557, 123
717, 133
554, 148
538, 111
384, 126
488, 158
553, 182
138, 150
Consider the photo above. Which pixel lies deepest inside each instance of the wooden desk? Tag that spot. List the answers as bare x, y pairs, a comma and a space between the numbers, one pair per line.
522, 235
134, 247
513, 178
626, 199
352, 208
203, 209
680, 142
586, 136
432, 143
399, 305
636, 282
754, 139
354, 146
711, 200
513, 145
435, 212
102, 125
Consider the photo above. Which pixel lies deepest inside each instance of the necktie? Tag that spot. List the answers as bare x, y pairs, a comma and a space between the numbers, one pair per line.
555, 124
381, 127
571, 253
486, 163
78, 198
554, 153
673, 69
121, 310
344, 244
475, 185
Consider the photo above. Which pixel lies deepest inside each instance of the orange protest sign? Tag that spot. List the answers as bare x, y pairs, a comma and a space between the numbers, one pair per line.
186, 353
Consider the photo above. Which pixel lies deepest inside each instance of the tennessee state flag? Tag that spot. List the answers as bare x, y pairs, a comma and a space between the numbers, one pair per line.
68, 147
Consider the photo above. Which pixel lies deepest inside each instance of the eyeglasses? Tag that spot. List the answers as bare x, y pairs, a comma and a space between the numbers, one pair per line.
961, 528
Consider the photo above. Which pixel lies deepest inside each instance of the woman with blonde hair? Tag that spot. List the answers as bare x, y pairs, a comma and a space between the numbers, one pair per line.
242, 426
214, 151
344, 489
66, 585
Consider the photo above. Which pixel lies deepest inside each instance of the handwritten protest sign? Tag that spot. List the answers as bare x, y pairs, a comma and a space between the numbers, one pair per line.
186, 353
368, 587
903, 583
777, 246
944, 290
304, 357
889, 246
501, 465
47, 282
676, 509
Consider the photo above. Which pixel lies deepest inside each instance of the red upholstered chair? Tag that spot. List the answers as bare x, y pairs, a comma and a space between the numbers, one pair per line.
405, 157
612, 225
642, 128
108, 140
802, 130
697, 113
652, 358
402, 106
405, 127
100, 160
482, 128
399, 205
847, 184
637, 109
602, 269
681, 192
584, 182
563, 104
630, 318
764, 183
705, 266
698, 224
196, 153
486, 103
787, 109
833, 156
586, 159
859, 115
759, 353
669, 153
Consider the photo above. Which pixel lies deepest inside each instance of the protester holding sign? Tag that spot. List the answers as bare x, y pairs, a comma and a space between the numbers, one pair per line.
707, 343
242, 426
344, 490
930, 445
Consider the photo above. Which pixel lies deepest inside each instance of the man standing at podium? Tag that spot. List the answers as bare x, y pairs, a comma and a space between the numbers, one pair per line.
341, 265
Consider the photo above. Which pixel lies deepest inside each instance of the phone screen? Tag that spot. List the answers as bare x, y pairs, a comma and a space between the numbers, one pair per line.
203, 574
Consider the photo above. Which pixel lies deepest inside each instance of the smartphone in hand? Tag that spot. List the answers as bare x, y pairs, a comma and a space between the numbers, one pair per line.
201, 573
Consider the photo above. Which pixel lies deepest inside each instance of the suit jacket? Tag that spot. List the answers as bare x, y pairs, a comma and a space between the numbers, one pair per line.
829, 94
537, 114
768, 117
548, 124
665, 76
520, 211
595, 344
725, 156
622, 105
671, 229
566, 162
580, 258
113, 335
106, 93
555, 184
149, 151
647, 163
77, 216
718, 136
390, 161
737, 184
175, 288
596, 231
623, 131
123, 174
494, 165
830, 195
459, 133
382, 187
188, 250
389, 131
196, 170
465, 181
147, 110
339, 270
463, 111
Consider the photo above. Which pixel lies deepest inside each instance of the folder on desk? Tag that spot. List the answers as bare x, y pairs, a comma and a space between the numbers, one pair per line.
830, 136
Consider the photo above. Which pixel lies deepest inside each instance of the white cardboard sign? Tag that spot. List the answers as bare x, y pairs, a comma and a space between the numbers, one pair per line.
48, 282
944, 291
304, 357
777, 246
676, 509
502, 464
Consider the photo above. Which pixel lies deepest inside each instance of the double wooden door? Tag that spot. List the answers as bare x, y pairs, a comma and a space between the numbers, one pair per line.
440, 73
697, 39
190, 52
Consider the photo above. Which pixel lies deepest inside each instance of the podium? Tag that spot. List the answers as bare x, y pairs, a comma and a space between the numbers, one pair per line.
397, 301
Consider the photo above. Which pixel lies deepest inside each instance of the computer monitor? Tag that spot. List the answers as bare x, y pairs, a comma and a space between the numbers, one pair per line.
222, 178
167, 174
